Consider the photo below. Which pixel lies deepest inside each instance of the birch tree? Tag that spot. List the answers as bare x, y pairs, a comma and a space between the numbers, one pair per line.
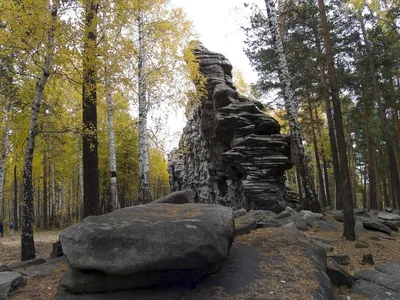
311, 200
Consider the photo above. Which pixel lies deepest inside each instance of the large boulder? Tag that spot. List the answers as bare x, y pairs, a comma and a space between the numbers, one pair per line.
374, 225
385, 280
179, 197
9, 282
151, 238
371, 290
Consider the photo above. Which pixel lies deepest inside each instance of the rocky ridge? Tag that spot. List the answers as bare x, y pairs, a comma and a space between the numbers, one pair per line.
230, 152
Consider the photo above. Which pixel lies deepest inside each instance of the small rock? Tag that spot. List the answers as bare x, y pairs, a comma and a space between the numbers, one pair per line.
341, 259
360, 245
301, 225
388, 216
359, 211
179, 197
368, 259
9, 282
269, 223
373, 212
396, 211
374, 225
239, 213
326, 209
28, 263
57, 250
338, 275
311, 217
358, 227
326, 226
282, 215
389, 209
4, 268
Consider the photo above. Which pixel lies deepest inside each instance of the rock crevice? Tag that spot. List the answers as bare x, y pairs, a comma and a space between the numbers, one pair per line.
230, 152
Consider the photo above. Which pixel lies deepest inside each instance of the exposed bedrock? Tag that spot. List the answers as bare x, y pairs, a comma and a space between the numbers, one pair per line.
230, 152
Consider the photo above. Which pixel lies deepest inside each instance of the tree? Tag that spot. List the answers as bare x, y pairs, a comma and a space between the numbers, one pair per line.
91, 195
311, 200
349, 232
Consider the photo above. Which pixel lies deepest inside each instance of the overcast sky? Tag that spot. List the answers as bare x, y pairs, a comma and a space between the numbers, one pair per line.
218, 24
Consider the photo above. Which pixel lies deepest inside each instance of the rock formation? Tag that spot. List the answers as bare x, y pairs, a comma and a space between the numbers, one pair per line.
230, 152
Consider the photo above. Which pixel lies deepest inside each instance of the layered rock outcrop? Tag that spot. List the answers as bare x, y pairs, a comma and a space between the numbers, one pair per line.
230, 152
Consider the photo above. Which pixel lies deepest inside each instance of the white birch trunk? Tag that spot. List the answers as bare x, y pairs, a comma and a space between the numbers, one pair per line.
80, 158
111, 133
144, 194
311, 200
3, 159
27, 240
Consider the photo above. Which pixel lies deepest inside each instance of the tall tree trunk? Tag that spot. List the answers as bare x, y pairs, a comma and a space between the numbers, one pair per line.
394, 172
53, 193
317, 159
144, 192
89, 108
45, 194
348, 232
27, 240
81, 188
3, 158
364, 201
310, 201
373, 199
331, 126
16, 199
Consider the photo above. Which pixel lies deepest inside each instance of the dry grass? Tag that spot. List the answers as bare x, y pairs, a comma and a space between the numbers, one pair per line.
10, 247
44, 288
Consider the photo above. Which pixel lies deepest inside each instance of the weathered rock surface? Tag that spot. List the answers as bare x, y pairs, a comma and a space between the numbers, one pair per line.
258, 267
390, 269
385, 280
4, 268
230, 152
388, 216
149, 238
43, 270
9, 282
188, 238
57, 250
28, 263
341, 259
179, 197
338, 275
374, 291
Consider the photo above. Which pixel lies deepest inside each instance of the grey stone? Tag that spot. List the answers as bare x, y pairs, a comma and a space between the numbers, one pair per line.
374, 225
338, 276
373, 212
43, 270
150, 238
282, 215
389, 209
301, 224
389, 268
359, 211
230, 151
242, 271
360, 245
9, 282
311, 217
269, 223
359, 227
28, 263
57, 250
388, 216
239, 213
341, 259
179, 197
394, 225
374, 291
4, 268
385, 280
328, 227
396, 211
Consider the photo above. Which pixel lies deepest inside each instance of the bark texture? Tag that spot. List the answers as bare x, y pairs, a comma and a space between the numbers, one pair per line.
27, 240
3, 158
310, 200
144, 193
89, 108
345, 183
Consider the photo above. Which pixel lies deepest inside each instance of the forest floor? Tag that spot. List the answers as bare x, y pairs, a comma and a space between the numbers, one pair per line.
384, 249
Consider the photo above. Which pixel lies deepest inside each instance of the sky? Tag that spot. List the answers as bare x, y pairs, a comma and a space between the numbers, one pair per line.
217, 23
